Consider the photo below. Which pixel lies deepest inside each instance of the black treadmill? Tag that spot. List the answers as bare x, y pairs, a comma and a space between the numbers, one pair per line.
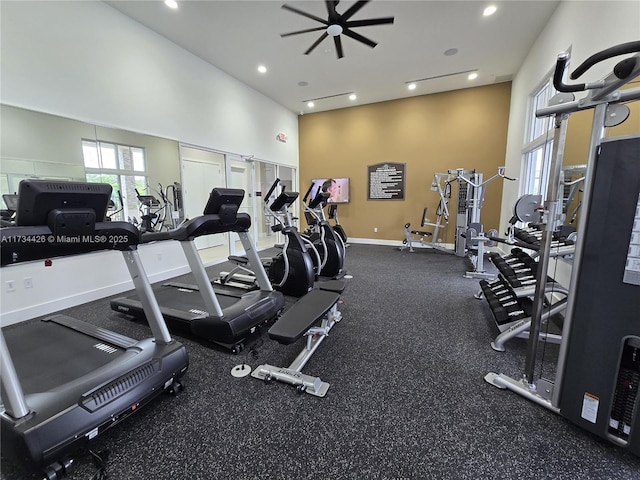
64, 381
219, 316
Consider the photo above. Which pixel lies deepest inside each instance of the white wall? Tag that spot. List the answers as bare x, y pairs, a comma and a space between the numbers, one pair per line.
86, 61
584, 26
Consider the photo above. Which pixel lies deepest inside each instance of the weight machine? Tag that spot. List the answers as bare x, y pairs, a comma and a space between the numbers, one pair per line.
470, 236
442, 185
598, 365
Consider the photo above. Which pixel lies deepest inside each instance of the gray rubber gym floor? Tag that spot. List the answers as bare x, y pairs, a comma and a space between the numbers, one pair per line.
407, 397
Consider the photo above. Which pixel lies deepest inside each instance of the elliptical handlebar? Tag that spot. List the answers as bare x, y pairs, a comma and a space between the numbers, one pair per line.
273, 187
306, 195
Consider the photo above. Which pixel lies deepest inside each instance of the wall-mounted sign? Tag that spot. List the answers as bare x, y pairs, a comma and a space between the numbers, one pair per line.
281, 137
386, 181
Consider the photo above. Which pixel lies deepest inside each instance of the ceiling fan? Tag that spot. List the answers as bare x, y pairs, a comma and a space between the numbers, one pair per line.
338, 24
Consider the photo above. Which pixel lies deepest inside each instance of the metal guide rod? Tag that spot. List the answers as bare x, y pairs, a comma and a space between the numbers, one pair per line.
551, 207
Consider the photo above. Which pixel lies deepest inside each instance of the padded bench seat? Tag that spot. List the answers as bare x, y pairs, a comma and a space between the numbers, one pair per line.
295, 322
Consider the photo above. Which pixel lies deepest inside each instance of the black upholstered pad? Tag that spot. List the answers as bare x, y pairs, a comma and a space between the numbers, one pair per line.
302, 316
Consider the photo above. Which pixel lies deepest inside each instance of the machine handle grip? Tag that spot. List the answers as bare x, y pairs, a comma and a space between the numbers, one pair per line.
622, 49
559, 85
273, 187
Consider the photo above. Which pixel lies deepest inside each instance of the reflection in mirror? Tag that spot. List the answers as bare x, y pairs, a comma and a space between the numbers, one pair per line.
239, 175
202, 170
266, 174
39, 145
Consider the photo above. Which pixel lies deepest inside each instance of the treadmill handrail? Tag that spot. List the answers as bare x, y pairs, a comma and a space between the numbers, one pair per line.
202, 225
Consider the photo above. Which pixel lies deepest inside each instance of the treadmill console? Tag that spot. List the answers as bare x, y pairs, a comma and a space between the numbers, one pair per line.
37, 198
224, 202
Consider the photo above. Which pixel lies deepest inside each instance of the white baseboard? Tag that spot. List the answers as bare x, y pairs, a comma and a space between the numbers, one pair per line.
395, 243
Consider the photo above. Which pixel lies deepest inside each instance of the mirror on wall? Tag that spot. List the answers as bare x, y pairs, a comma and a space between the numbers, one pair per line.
139, 167
157, 182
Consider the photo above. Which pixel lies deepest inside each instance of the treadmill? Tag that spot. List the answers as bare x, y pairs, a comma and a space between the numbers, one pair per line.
64, 381
223, 316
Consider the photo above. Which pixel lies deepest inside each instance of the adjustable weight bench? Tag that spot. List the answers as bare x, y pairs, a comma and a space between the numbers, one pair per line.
318, 306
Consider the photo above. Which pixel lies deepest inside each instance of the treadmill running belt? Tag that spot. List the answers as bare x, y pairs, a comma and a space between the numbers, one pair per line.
47, 355
188, 300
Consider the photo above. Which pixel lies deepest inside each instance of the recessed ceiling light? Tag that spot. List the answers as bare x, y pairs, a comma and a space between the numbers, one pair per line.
411, 86
451, 51
473, 76
311, 104
352, 96
171, 4
262, 69
490, 10
303, 83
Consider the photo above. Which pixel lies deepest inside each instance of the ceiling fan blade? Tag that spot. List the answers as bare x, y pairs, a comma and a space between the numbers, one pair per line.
360, 38
316, 43
371, 21
305, 14
338, 43
303, 31
331, 10
353, 9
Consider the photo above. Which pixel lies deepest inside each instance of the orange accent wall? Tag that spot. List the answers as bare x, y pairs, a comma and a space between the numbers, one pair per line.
430, 133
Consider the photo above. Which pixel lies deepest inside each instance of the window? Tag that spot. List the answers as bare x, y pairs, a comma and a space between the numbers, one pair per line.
124, 168
536, 153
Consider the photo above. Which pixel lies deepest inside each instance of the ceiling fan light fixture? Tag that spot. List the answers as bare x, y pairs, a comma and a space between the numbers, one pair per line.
334, 30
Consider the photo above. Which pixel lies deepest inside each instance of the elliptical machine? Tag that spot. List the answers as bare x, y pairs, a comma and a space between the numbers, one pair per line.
333, 215
292, 271
326, 241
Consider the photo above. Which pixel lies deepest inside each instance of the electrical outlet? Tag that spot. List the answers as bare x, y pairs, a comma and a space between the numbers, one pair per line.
28, 282
375, 229
11, 285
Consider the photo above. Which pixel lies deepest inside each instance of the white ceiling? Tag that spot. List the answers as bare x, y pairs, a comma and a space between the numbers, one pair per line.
237, 36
